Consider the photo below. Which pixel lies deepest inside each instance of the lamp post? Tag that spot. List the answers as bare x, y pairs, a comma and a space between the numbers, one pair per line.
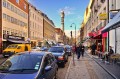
75, 42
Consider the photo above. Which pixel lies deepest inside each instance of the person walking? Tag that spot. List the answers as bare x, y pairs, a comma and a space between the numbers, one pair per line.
93, 47
82, 50
78, 52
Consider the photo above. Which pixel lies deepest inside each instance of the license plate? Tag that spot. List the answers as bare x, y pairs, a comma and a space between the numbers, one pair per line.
6, 55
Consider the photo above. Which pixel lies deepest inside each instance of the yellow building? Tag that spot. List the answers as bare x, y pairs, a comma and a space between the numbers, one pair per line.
48, 29
14, 21
35, 26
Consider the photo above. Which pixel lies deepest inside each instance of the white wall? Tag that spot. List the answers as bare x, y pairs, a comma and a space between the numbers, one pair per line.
112, 38
118, 40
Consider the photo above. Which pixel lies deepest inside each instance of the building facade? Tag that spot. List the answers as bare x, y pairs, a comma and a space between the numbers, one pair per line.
14, 21
35, 26
48, 29
96, 21
59, 35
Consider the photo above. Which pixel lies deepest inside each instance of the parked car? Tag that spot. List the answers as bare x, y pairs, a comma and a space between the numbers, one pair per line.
68, 50
35, 49
29, 65
43, 48
16, 48
60, 54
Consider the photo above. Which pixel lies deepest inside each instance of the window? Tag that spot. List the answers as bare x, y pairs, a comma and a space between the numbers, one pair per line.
17, 1
4, 3
4, 16
8, 5
4, 31
24, 6
12, 8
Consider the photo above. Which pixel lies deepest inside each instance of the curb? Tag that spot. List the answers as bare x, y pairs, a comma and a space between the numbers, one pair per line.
67, 73
104, 68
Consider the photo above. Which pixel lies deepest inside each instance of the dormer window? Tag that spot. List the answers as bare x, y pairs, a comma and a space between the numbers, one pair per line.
17, 1
102, 1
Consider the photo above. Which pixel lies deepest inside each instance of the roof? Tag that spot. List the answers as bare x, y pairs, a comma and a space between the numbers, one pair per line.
35, 52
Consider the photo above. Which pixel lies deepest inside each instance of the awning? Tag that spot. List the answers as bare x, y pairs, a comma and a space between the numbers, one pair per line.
112, 24
16, 41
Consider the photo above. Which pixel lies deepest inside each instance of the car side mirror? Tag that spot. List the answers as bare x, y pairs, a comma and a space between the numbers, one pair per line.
48, 68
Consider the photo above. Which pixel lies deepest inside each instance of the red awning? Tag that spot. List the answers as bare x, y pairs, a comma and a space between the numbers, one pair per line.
104, 34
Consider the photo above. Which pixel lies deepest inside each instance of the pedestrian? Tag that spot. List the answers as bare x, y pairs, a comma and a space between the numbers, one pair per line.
78, 51
82, 50
93, 48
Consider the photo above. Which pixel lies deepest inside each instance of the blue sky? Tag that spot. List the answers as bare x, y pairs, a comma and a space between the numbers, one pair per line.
74, 11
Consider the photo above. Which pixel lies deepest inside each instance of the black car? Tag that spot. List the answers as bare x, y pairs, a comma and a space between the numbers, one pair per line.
68, 50
29, 65
60, 54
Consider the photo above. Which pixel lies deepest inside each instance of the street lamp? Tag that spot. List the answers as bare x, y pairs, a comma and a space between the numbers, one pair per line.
75, 31
75, 41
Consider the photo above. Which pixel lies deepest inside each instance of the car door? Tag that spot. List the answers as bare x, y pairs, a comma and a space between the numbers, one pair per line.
53, 64
46, 74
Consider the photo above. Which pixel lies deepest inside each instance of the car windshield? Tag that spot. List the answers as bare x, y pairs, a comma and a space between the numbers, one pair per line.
68, 48
12, 46
56, 49
22, 62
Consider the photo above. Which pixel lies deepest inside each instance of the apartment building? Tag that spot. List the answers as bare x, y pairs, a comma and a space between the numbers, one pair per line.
98, 19
48, 29
35, 26
113, 27
59, 35
14, 21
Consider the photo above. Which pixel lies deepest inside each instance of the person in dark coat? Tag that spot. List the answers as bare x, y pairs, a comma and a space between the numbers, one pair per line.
93, 47
78, 51
82, 50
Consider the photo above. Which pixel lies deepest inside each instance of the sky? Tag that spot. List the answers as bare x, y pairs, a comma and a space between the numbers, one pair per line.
74, 11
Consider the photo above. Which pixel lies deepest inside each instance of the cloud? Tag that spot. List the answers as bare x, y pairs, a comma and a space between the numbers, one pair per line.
68, 10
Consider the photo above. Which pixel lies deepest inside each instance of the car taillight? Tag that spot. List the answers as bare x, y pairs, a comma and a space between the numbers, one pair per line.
60, 58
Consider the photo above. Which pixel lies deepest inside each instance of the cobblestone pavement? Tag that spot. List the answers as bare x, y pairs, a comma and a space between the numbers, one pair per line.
86, 68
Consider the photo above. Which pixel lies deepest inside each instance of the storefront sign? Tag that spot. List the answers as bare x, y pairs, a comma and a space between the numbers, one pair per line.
10, 37
103, 16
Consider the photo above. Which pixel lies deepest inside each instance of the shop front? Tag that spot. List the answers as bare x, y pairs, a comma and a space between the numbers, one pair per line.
99, 39
10, 39
113, 29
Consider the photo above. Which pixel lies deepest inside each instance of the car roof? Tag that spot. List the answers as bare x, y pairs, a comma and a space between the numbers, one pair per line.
35, 52
57, 46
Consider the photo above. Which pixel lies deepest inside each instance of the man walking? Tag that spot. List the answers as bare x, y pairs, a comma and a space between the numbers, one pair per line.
78, 51
93, 47
82, 50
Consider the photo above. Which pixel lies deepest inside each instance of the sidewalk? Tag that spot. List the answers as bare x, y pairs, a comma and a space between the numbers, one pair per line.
112, 69
75, 72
